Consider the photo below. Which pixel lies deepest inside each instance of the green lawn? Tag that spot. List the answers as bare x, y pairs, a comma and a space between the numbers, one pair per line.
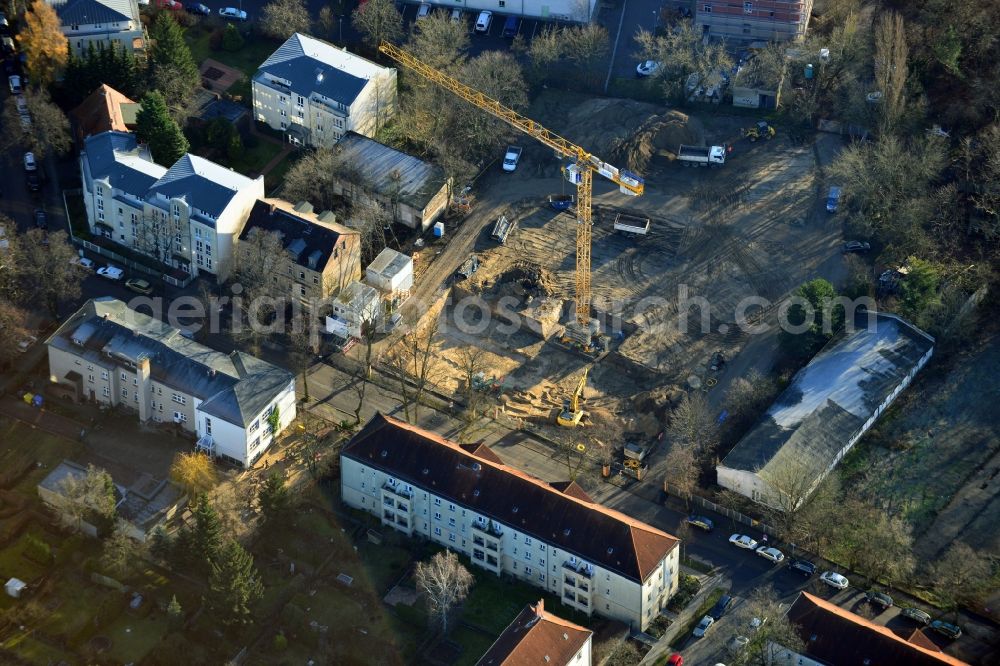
474, 645
255, 51
493, 603
254, 159
276, 177
133, 637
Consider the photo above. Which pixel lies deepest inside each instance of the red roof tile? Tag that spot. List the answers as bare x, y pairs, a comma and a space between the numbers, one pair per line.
536, 636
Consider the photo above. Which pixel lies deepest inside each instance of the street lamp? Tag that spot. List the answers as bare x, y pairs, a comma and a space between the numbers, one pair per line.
340, 29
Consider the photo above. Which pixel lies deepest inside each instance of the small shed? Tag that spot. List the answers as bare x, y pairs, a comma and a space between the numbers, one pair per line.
15, 587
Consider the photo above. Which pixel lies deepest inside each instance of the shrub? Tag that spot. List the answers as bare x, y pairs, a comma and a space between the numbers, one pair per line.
232, 40
215, 40
37, 550
280, 642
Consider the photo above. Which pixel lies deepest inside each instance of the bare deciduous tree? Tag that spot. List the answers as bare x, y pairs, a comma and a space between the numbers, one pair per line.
774, 632
283, 18
681, 53
257, 261
693, 425
13, 329
961, 575
891, 70
83, 493
417, 364
472, 362
681, 470
46, 270
378, 21
444, 582
49, 129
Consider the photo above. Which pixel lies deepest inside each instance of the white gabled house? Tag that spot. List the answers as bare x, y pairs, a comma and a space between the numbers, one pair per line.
186, 217
109, 23
315, 92
116, 356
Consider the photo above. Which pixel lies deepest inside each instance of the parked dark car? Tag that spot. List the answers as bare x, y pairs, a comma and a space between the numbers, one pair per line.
946, 629
701, 522
916, 615
721, 606
802, 567
880, 599
41, 219
197, 8
34, 181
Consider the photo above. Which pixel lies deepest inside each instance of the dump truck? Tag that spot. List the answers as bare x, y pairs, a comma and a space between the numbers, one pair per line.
632, 224
511, 157
701, 155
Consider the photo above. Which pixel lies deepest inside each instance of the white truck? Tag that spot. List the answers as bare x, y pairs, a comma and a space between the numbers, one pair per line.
701, 155
632, 224
511, 158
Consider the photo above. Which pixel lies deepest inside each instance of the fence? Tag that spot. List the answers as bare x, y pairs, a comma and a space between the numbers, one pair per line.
732, 514
116, 258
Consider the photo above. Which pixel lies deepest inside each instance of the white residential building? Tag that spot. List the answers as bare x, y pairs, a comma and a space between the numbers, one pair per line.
553, 536
187, 217
315, 92
116, 356
825, 410
576, 11
100, 22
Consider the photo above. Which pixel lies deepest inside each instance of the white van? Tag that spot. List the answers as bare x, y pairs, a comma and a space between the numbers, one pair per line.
484, 21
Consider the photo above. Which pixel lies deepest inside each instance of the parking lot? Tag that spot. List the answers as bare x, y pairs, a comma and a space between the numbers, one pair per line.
492, 39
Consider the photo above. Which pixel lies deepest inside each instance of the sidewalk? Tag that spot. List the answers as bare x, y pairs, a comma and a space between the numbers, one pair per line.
42, 419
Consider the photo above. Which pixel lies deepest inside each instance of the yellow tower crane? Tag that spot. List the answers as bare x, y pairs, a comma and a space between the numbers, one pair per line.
580, 172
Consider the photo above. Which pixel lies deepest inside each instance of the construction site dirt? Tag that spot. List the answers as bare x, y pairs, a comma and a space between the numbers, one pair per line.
718, 240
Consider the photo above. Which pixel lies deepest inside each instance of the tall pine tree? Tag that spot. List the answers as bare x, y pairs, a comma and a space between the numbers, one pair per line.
234, 585
172, 69
206, 534
154, 126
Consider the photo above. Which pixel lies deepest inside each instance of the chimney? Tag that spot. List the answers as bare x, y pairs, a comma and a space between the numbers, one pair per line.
540, 608
145, 388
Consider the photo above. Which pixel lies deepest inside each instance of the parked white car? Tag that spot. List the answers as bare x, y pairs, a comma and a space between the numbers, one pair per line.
647, 68
834, 580
26, 344
83, 262
772, 554
743, 541
30, 163
703, 626
484, 21
14, 81
233, 14
111, 272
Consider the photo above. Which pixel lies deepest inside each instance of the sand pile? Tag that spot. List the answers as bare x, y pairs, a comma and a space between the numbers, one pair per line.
625, 132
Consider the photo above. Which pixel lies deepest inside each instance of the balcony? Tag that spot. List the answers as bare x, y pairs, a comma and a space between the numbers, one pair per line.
487, 528
569, 582
397, 490
579, 568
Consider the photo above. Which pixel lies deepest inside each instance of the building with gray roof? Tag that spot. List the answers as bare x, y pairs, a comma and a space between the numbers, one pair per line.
315, 92
825, 410
101, 23
415, 191
113, 355
187, 216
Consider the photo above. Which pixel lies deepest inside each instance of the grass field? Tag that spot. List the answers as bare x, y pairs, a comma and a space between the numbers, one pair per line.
255, 51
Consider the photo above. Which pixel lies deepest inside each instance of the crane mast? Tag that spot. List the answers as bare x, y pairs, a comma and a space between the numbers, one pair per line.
580, 171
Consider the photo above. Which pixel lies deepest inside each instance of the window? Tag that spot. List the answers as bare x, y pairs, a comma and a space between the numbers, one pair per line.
707, 9
180, 417
437, 515
284, 114
451, 522
527, 556
254, 426
124, 376
527, 571
451, 507
90, 378
315, 279
541, 562
135, 382
106, 391
179, 399
451, 536
124, 392
527, 541
437, 501
748, 8
208, 426
502, 3
135, 396
104, 374
437, 531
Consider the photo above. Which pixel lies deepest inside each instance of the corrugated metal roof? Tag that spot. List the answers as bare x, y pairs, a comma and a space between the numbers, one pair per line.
393, 173
313, 66
831, 399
